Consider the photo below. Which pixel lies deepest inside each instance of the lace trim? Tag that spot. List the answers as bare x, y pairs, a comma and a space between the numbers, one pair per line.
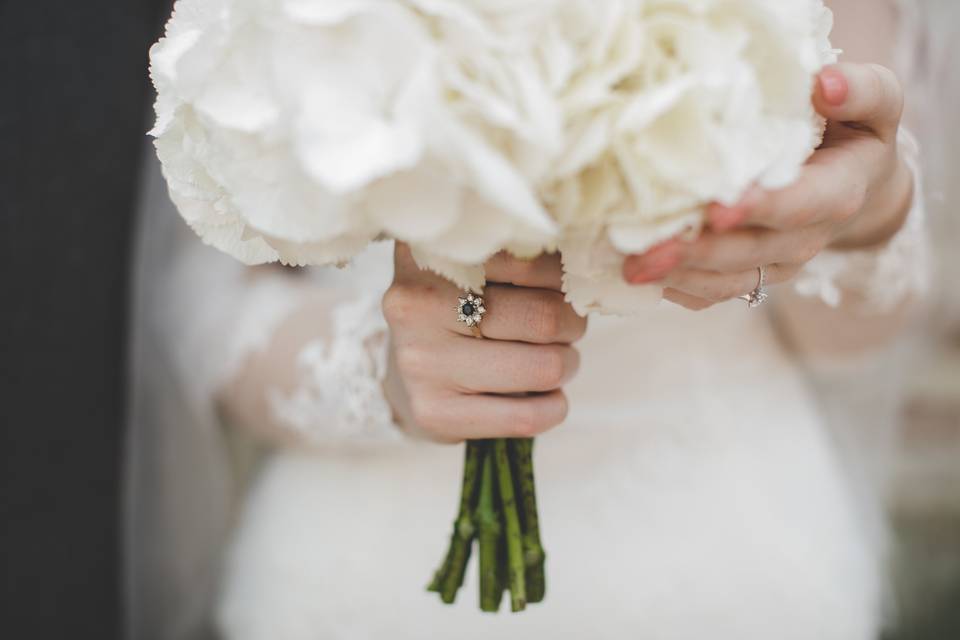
340, 396
886, 276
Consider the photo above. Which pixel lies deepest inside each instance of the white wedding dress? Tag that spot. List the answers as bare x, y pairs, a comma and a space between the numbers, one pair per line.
705, 485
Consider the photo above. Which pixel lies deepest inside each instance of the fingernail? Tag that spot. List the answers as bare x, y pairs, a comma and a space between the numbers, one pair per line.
834, 87
654, 264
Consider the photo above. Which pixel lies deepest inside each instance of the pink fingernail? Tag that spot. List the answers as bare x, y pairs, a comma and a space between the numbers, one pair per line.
654, 264
833, 87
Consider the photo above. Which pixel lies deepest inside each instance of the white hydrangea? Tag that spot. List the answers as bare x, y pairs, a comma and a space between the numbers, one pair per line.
301, 130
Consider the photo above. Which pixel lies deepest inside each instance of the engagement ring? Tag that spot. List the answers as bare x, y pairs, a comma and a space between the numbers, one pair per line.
470, 311
759, 295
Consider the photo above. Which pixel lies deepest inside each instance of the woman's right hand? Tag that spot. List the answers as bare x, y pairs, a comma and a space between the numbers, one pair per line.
449, 386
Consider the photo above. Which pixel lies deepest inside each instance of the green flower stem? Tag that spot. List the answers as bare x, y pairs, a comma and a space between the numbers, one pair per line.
533, 553
498, 506
449, 577
489, 533
503, 580
516, 566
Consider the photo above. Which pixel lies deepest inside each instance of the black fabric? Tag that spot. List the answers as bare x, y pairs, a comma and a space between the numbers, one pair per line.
73, 103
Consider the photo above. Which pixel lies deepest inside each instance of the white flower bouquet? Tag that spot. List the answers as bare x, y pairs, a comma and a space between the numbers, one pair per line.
299, 131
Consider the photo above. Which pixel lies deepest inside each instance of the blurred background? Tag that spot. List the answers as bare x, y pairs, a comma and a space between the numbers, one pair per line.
80, 111
925, 502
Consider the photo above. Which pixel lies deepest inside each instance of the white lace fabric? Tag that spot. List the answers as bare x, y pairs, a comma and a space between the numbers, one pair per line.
883, 277
339, 396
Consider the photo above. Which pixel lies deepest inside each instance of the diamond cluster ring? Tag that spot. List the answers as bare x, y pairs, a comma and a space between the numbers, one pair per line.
470, 311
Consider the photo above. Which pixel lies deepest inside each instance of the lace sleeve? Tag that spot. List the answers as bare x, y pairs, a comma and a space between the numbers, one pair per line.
309, 347
339, 393
883, 277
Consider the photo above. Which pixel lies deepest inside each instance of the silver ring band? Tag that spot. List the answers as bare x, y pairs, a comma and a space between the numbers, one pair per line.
759, 295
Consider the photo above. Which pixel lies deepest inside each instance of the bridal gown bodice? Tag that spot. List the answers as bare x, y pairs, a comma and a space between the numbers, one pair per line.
692, 487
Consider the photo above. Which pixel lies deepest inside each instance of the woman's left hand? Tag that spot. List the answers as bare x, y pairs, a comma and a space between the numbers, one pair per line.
854, 192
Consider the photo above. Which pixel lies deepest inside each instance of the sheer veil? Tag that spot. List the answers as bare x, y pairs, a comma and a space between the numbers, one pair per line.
940, 133
179, 487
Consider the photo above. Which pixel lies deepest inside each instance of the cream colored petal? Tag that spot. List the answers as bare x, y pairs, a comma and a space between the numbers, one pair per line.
417, 205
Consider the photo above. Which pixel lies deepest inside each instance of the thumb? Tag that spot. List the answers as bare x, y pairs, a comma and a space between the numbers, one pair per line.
865, 94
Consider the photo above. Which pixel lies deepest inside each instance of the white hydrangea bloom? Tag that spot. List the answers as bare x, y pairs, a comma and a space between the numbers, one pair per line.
301, 130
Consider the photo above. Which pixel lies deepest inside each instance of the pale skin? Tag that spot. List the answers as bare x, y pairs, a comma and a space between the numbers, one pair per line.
446, 385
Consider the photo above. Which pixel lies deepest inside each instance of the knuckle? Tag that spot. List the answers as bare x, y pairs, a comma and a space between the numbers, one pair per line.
533, 417
549, 369
807, 251
888, 88
563, 408
539, 414
423, 411
545, 413
854, 202
543, 318
397, 304
526, 425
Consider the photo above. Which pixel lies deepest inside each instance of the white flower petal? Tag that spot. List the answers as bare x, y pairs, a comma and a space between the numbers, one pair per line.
414, 206
345, 149
301, 130
327, 12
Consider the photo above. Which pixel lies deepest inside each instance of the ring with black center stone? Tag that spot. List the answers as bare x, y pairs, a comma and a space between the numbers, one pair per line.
470, 311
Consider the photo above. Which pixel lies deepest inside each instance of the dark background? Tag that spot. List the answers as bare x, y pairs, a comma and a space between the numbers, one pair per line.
74, 99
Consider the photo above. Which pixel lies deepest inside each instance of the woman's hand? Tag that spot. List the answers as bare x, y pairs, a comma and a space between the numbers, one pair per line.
854, 192
445, 383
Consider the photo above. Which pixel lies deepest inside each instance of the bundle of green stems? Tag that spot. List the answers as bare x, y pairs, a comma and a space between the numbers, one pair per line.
498, 509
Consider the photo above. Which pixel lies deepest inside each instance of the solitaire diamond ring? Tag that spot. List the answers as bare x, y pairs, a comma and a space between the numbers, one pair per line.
759, 295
